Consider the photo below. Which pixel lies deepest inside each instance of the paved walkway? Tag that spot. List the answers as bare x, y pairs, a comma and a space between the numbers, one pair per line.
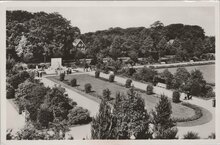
204, 130
14, 120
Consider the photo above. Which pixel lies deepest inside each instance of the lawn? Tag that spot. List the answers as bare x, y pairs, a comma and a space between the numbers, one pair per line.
207, 70
98, 85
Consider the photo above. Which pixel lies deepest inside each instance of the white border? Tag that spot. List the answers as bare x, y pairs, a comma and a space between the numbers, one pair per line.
45, 4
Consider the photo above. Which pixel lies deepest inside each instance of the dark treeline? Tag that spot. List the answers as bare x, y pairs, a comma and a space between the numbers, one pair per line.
184, 41
31, 36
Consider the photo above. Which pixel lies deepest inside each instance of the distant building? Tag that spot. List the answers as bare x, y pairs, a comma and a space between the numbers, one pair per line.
79, 45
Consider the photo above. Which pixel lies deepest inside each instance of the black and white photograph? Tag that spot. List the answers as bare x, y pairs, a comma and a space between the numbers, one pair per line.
109, 71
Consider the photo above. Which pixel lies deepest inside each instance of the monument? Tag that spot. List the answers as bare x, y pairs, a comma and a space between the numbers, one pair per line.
56, 63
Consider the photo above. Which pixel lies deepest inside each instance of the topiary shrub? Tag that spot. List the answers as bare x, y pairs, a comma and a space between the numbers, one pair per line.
88, 87
106, 94
73, 82
176, 97
128, 83
111, 78
150, 89
191, 135
97, 73
10, 91
62, 76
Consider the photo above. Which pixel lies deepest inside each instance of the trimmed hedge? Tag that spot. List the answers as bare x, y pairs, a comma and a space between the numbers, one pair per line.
111, 78
149, 89
73, 82
176, 97
128, 83
62, 76
97, 74
88, 87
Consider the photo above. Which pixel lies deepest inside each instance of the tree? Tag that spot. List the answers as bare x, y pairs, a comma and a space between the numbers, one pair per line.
180, 77
168, 76
102, 124
176, 97
45, 115
106, 93
163, 123
58, 102
115, 49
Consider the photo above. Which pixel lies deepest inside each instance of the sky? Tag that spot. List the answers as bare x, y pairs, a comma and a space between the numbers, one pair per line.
91, 19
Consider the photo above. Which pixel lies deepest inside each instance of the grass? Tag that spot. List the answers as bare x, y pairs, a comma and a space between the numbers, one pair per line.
99, 85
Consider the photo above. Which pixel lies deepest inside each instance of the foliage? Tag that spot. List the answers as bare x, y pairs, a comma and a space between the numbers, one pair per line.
127, 117
78, 115
45, 116
106, 94
176, 97
58, 102
145, 74
18, 78
191, 135
162, 120
128, 83
97, 73
88, 88
211, 136
111, 78
62, 76
149, 89
39, 35
10, 91
168, 76
181, 77
73, 82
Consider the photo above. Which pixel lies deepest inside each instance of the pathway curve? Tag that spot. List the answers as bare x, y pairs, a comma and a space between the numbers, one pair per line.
204, 130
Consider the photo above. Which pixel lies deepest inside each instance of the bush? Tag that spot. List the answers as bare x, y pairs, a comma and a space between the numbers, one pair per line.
176, 97
210, 94
62, 76
10, 91
88, 87
73, 82
97, 73
111, 78
78, 115
191, 135
150, 89
106, 94
130, 71
128, 83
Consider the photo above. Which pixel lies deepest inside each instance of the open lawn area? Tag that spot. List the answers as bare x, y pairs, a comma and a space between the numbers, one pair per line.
98, 85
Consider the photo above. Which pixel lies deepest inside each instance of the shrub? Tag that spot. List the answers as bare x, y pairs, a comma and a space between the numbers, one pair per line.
97, 73
10, 91
191, 135
62, 76
18, 78
88, 87
111, 78
176, 97
128, 83
211, 136
210, 94
150, 89
73, 82
130, 71
106, 94
78, 115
